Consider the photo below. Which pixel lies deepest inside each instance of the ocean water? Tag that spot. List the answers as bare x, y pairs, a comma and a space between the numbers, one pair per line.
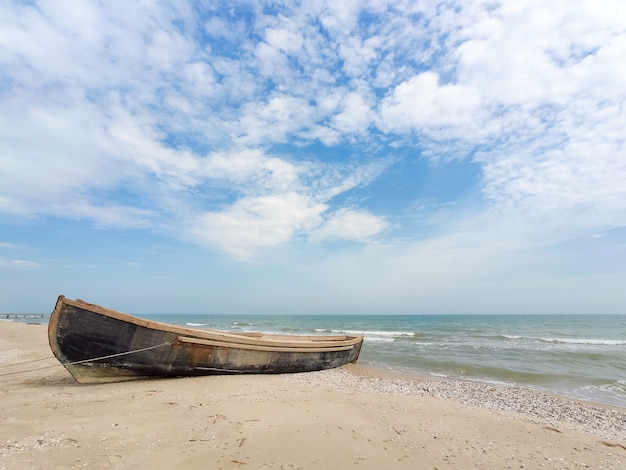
580, 356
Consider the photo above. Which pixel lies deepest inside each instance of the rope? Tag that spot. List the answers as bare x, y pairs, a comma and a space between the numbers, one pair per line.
83, 360
217, 369
26, 362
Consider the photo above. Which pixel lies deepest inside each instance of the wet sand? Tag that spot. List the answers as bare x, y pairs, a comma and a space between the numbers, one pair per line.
344, 418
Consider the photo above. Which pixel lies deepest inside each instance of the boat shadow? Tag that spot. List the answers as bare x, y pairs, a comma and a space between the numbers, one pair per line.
55, 379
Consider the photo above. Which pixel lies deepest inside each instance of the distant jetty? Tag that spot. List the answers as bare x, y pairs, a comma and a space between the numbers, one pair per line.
20, 316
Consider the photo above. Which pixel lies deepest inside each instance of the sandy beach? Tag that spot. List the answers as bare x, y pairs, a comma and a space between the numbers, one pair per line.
344, 418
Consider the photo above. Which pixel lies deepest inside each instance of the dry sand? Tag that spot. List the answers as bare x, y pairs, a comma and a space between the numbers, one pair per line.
346, 418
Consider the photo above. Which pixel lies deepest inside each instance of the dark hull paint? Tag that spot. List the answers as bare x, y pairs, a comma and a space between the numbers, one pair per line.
98, 345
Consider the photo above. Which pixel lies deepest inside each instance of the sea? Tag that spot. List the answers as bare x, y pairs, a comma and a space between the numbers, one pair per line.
579, 356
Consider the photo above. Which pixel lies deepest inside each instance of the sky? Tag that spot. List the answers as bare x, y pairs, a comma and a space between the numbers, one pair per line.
326, 157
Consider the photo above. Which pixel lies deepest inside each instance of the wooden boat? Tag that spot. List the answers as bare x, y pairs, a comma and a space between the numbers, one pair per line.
98, 345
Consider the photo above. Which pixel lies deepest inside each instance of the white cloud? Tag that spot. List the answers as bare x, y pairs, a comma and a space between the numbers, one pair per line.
358, 55
547, 74
279, 118
421, 103
278, 202
256, 222
289, 41
19, 263
219, 27
532, 53
350, 225
201, 79
252, 171
111, 216
339, 17
355, 115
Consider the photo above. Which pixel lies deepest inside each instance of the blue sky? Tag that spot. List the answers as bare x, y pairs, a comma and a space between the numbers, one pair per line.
314, 157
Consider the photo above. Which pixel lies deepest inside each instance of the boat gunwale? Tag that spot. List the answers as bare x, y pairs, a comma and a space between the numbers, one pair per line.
257, 347
320, 343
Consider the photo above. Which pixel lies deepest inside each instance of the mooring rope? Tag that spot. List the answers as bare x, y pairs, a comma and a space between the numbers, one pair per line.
81, 361
218, 369
26, 362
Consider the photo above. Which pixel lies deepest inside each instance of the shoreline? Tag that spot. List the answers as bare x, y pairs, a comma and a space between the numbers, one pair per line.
349, 416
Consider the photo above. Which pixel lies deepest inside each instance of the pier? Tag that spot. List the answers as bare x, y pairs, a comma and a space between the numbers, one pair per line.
20, 316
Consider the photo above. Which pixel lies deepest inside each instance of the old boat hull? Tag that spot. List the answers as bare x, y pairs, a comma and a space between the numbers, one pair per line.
98, 345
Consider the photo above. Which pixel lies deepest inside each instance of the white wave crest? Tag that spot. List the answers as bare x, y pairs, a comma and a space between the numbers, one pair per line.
600, 342
368, 333
378, 339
